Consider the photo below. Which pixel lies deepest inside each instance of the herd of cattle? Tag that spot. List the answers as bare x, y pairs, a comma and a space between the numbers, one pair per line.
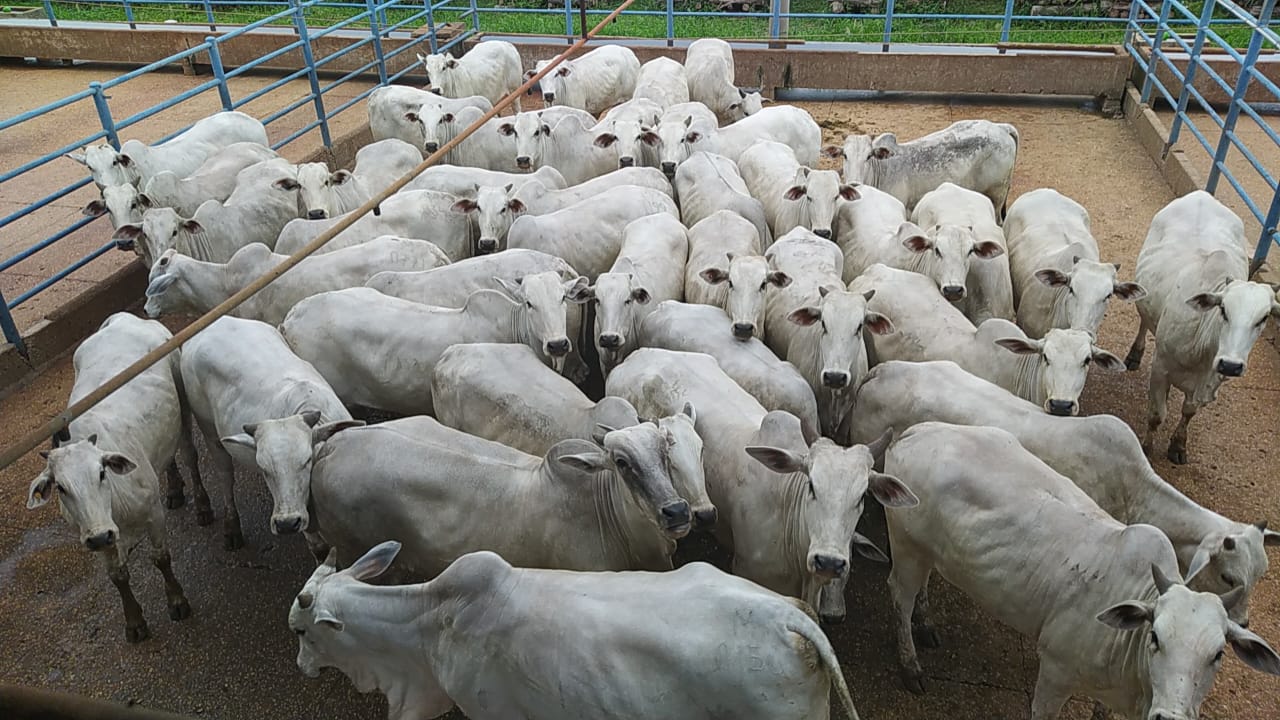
775, 343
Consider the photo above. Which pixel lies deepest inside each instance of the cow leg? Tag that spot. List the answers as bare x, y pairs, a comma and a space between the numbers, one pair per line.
909, 575
1138, 348
174, 497
224, 470
179, 608
921, 627
1178, 443
317, 544
1157, 401
190, 458
135, 626
1050, 695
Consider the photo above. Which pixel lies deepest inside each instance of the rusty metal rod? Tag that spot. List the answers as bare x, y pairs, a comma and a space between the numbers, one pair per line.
60, 421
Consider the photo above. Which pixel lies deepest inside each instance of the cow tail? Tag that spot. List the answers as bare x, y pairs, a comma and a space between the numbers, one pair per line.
812, 633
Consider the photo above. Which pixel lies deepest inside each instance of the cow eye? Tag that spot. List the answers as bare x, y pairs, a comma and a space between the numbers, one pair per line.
1072, 291
1218, 658
621, 462
1261, 322
764, 286
528, 304
731, 284
1228, 580
937, 251
102, 474
813, 493
300, 632
858, 330
627, 301
1155, 641
1087, 361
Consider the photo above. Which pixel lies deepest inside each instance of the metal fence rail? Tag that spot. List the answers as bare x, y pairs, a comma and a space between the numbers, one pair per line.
1151, 51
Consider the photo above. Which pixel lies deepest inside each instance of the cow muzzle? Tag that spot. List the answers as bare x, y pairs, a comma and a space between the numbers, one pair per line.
626, 162
953, 293
549, 98
431, 147
828, 567
288, 524
705, 518
610, 341
523, 163
824, 233
1062, 408
486, 245
316, 214
1230, 368
100, 541
743, 331
558, 348
835, 379
669, 169
676, 520
1166, 715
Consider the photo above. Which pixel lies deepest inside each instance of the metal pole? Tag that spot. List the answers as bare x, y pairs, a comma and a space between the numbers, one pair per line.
128, 15
376, 31
431, 28
1008, 23
104, 114
219, 72
568, 18
11, 334
475, 17
1131, 28
1157, 41
1237, 98
671, 22
775, 19
208, 13
784, 18
582, 17
1189, 78
888, 25
305, 42
48, 13
1268, 234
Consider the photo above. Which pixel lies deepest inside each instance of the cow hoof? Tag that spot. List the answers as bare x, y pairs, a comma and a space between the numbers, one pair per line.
175, 501
233, 541
1132, 361
181, 611
1177, 455
913, 679
927, 636
204, 517
136, 633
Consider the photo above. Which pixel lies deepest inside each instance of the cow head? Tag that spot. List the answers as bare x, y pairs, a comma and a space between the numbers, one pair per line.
160, 230
1232, 559
857, 157
542, 310
82, 475
122, 202
494, 210
944, 252
819, 191
437, 125
318, 190
749, 278
1187, 635
107, 165
840, 317
1243, 308
1086, 290
678, 139
628, 138
617, 296
283, 449
1063, 361
168, 271
687, 470
439, 67
748, 103
530, 133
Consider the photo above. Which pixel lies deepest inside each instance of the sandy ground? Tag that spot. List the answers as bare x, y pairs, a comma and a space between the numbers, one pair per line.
61, 625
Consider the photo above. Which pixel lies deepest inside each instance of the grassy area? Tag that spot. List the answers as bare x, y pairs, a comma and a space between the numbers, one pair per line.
849, 28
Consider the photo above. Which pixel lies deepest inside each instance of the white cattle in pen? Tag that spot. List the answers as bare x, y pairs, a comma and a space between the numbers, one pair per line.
663, 81
710, 74
181, 284
419, 214
988, 291
974, 154
1125, 485
1017, 538
136, 162
793, 195
391, 345
257, 402
1058, 281
1201, 307
323, 194
505, 394
649, 269
449, 286
818, 326
775, 383
602, 504
488, 147
726, 269
105, 467
213, 180
675, 123
490, 69
594, 81
628, 131
462, 181
395, 111
867, 232
787, 124
589, 235
264, 202
540, 198
565, 141
1049, 372
342, 622
707, 183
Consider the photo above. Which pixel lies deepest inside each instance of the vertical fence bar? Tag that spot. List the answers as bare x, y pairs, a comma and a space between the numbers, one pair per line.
1237, 98
475, 16
1007, 24
568, 20
775, 19
582, 17
219, 72
888, 25
128, 15
376, 31
1157, 51
431, 27
10, 329
671, 22
104, 114
1268, 234
208, 15
1131, 28
48, 13
305, 42
1189, 78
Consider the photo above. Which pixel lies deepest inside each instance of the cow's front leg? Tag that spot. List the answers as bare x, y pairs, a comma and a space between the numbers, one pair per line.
179, 608
1157, 401
135, 626
1178, 443
1050, 694
224, 469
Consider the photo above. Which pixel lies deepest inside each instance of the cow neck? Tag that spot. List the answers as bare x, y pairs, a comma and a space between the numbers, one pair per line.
1058, 315
210, 283
1208, 330
197, 243
1156, 502
1127, 667
520, 326
622, 520
1027, 372
794, 545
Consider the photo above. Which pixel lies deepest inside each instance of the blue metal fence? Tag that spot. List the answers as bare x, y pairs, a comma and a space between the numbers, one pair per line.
1158, 48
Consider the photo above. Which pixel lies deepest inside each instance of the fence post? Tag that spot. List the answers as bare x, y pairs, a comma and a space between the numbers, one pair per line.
475, 17
1237, 98
219, 72
1008, 23
11, 334
888, 25
208, 13
568, 20
431, 28
304, 41
1157, 52
1131, 27
1268, 234
1189, 78
671, 22
48, 13
376, 31
775, 19
104, 114
128, 15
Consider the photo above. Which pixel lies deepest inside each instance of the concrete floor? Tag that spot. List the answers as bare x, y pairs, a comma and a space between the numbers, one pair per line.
60, 621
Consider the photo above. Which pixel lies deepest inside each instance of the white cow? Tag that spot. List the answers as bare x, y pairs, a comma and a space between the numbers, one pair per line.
1125, 485
540, 198
1058, 280
490, 69
707, 183
675, 123
606, 504
462, 181
1050, 372
488, 147
988, 290
450, 285
391, 345
122, 203
1017, 538
726, 269
136, 162
775, 383
787, 124
649, 269
566, 142
323, 194
419, 214
593, 81
867, 231
181, 284
589, 235
663, 81
816, 325
709, 66
628, 130
214, 180
105, 468
394, 111
974, 154
257, 402
793, 195
1200, 306
341, 622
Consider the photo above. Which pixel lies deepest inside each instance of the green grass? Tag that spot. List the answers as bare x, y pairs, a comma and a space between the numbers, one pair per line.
851, 28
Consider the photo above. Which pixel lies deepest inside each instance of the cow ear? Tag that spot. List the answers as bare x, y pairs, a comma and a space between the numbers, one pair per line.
160, 284
286, 184
145, 201
375, 562
1253, 650
1128, 615
795, 192
411, 116
715, 276
507, 129
127, 235
1269, 537
1129, 291
1020, 346
605, 140
881, 153
1106, 360
913, 238
878, 324
650, 138
640, 295
324, 617
778, 460
692, 414
41, 490
562, 71
1200, 560
244, 440
451, 63
515, 205
118, 464
310, 417
92, 439
320, 433
63, 436
1053, 278
124, 160
464, 206
95, 208
579, 290
191, 227
692, 136
890, 491
867, 549
77, 156
510, 287
878, 446
805, 316
1205, 301
988, 249
833, 151
421, 58
591, 462
849, 192
778, 278
340, 177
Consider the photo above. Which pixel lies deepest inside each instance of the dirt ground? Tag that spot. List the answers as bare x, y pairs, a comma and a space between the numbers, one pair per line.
60, 620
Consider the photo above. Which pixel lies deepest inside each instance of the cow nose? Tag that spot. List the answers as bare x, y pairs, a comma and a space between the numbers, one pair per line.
549, 97
486, 245
953, 292
825, 233
1230, 368
743, 331
611, 341
626, 162
676, 515
432, 147
558, 348
829, 566
1065, 408
101, 540
835, 379
669, 168
287, 525
522, 162
707, 519
315, 214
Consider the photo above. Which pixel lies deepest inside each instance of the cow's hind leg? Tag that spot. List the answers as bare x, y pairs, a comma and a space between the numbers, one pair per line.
135, 626
1157, 401
187, 453
174, 497
923, 630
1178, 442
910, 572
1138, 348
224, 469
1050, 694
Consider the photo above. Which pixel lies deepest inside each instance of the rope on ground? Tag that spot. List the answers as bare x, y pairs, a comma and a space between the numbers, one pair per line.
60, 422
